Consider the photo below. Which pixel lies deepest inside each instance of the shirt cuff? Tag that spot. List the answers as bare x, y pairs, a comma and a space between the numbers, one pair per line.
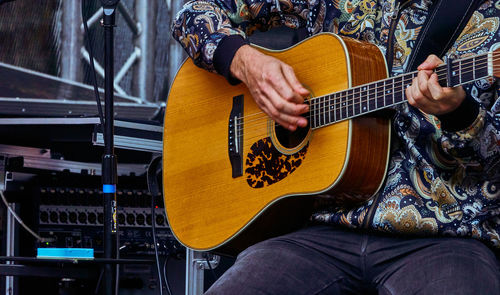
462, 117
224, 54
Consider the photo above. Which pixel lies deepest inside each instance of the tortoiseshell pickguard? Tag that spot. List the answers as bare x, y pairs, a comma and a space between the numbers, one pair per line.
266, 165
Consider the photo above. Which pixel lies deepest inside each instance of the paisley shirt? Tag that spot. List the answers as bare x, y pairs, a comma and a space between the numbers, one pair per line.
441, 180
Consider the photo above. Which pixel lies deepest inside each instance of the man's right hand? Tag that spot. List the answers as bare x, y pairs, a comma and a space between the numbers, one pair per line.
273, 85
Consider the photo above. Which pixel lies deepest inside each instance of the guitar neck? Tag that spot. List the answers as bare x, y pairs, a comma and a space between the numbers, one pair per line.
367, 98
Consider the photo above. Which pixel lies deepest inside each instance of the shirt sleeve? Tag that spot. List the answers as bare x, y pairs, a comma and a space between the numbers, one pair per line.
211, 31
200, 27
471, 134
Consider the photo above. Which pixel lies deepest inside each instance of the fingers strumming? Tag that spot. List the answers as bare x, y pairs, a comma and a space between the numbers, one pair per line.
294, 83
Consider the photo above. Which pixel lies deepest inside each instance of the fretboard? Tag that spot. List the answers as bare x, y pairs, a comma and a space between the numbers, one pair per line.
363, 99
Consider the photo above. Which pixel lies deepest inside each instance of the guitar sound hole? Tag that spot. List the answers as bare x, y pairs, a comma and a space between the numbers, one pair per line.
290, 139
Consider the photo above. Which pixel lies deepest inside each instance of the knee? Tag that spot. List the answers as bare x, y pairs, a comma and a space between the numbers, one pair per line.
262, 250
465, 265
470, 250
447, 266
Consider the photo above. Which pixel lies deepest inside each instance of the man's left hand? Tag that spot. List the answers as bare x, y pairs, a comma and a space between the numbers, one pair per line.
426, 94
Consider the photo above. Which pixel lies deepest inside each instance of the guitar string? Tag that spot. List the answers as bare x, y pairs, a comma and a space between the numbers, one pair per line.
387, 85
253, 132
345, 107
351, 97
462, 64
252, 127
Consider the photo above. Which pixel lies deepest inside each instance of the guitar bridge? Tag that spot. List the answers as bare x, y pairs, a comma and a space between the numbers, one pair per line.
235, 136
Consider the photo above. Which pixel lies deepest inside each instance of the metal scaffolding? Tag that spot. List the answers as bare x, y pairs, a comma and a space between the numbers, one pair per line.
148, 40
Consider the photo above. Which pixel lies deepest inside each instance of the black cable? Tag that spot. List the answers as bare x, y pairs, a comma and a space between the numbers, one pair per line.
153, 191
93, 74
98, 285
117, 267
165, 277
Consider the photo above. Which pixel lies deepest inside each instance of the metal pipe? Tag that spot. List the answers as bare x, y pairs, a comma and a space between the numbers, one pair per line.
145, 12
72, 39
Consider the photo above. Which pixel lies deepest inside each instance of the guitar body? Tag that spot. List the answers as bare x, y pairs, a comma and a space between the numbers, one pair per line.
213, 205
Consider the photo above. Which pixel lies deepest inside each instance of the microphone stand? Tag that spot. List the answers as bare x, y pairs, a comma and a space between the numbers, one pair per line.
109, 163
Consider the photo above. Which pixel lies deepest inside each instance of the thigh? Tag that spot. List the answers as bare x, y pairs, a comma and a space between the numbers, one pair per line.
298, 263
442, 266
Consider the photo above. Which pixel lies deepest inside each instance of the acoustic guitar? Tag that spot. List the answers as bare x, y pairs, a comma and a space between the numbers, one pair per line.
233, 177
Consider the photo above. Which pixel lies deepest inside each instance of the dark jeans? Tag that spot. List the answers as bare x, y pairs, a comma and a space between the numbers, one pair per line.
329, 260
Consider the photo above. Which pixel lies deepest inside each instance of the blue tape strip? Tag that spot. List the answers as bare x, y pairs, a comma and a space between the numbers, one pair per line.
84, 253
109, 188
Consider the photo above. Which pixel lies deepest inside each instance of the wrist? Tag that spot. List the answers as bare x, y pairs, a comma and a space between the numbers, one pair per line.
224, 55
462, 117
238, 64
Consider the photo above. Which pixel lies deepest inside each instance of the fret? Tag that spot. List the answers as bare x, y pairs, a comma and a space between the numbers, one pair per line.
364, 97
441, 72
314, 107
329, 109
398, 89
354, 100
382, 101
364, 102
343, 110
393, 82
349, 102
467, 75
335, 107
322, 111
357, 102
481, 69
362, 94
377, 103
403, 88
338, 108
474, 68
372, 98
340, 105
407, 79
317, 112
387, 92
460, 72
456, 75
453, 75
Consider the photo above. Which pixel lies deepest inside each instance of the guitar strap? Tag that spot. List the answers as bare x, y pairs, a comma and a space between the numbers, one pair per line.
443, 26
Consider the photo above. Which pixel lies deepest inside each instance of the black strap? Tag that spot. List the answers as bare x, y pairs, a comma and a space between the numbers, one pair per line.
442, 27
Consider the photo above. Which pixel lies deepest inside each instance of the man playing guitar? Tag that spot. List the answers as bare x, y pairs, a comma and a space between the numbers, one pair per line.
434, 225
